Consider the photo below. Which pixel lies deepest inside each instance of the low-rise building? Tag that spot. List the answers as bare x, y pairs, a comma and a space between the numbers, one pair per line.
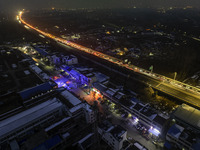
86, 142
55, 126
156, 122
36, 91
136, 146
40, 115
75, 108
69, 60
82, 75
187, 116
100, 77
179, 137
62, 59
110, 92
185, 132
89, 113
54, 59
114, 136
41, 51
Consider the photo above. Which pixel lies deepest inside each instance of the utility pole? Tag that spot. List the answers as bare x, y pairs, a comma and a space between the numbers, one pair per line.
151, 68
175, 73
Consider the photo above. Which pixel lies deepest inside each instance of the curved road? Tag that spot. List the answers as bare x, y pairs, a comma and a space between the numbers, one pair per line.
174, 88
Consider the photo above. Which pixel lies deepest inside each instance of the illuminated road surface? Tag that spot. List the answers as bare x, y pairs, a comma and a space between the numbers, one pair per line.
184, 95
167, 85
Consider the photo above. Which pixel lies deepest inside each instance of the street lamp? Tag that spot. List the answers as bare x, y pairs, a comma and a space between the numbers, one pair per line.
151, 68
175, 73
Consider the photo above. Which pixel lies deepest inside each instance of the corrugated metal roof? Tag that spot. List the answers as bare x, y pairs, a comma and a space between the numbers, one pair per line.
28, 93
71, 98
19, 120
188, 115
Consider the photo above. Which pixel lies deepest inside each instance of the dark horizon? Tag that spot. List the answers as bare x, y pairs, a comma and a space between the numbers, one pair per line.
12, 5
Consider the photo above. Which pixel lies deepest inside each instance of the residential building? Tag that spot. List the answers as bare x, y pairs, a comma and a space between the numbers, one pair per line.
114, 136
75, 108
62, 59
86, 142
82, 75
40, 115
136, 146
187, 116
178, 136
185, 132
37, 91
89, 113
156, 123
69, 60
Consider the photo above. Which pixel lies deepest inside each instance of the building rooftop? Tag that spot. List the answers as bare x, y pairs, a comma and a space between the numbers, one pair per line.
105, 125
175, 131
126, 144
87, 141
88, 107
70, 98
101, 77
14, 145
57, 124
89, 75
138, 106
117, 132
119, 95
135, 100
111, 92
36, 69
100, 87
30, 92
75, 108
188, 115
83, 69
149, 113
65, 135
160, 120
136, 146
188, 136
25, 117
196, 145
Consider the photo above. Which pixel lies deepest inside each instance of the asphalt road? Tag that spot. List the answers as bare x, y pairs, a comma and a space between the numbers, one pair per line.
184, 95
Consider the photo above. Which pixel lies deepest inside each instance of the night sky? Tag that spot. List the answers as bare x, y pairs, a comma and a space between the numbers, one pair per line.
31, 4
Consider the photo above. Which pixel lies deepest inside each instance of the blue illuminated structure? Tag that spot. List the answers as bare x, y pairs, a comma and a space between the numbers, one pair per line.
42, 88
81, 75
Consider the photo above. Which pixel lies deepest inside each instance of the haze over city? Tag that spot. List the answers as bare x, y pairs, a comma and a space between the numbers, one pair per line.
35, 4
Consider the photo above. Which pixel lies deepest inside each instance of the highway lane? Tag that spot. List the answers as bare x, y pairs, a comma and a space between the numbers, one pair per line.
184, 95
107, 57
145, 76
187, 97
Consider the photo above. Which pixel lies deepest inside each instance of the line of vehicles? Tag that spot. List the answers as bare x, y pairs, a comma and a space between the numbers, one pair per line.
114, 60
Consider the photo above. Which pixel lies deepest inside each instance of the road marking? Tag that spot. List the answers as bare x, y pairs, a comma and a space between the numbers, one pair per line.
158, 84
